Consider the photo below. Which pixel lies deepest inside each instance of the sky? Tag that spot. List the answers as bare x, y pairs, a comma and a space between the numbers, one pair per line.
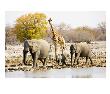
72, 18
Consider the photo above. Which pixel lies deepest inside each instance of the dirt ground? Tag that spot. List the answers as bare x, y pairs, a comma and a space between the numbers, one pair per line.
14, 58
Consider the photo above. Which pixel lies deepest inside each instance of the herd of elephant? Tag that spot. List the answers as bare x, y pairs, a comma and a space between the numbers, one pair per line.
39, 50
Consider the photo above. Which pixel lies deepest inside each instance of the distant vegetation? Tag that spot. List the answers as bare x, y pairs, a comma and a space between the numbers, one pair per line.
35, 26
82, 33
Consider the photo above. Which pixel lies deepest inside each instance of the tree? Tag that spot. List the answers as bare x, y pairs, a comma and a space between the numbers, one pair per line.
10, 36
31, 26
64, 29
102, 27
101, 31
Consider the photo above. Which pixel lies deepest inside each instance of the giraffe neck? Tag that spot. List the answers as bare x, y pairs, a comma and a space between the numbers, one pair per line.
51, 26
52, 30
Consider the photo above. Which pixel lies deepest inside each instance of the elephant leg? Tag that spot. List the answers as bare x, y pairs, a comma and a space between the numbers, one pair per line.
64, 63
24, 56
41, 61
91, 60
44, 63
59, 61
78, 61
76, 58
71, 59
86, 59
34, 59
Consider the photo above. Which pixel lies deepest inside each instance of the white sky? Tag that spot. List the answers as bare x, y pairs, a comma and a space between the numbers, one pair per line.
83, 18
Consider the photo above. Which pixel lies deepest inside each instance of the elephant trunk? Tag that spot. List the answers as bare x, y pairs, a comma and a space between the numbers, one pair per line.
72, 51
25, 51
24, 56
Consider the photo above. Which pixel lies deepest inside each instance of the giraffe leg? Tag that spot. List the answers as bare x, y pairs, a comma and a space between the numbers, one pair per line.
62, 50
56, 53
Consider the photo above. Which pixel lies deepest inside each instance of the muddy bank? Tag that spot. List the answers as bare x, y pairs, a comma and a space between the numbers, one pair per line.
13, 66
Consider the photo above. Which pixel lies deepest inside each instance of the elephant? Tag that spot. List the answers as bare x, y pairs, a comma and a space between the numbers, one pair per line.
38, 49
81, 50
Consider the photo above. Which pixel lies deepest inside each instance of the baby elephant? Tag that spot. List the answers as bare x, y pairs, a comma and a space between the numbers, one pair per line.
80, 50
38, 48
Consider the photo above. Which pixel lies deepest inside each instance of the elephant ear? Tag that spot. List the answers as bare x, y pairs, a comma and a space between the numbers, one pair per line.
76, 47
35, 48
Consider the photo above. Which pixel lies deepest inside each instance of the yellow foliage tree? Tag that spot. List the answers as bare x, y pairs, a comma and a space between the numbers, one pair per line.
31, 26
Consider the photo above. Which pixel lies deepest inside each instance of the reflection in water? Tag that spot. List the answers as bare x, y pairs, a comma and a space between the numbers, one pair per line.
93, 72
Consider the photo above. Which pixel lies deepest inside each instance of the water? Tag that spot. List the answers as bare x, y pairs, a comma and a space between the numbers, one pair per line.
93, 72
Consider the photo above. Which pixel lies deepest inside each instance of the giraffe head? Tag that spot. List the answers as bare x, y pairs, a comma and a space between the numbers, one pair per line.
50, 20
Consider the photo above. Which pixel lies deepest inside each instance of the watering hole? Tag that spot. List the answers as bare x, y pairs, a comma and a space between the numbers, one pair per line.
92, 72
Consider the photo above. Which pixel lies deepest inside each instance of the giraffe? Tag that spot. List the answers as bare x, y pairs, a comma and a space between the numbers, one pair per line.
57, 39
